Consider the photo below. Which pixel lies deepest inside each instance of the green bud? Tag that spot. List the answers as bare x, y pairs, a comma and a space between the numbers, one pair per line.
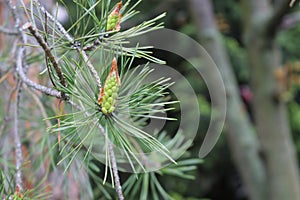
110, 100
111, 87
107, 105
111, 109
112, 22
109, 92
114, 89
104, 110
108, 86
114, 95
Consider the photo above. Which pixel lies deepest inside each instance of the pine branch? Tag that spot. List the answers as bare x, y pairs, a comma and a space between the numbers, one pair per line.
93, 45
47, 50
59, 26
114, 165
17, 141
72, 41
30, 83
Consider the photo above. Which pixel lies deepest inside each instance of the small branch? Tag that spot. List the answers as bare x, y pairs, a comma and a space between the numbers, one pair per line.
18, 144
47, 50
30, 83
72, 41
8, 31
91, 67
52, 19
115, 171
92, 46
38, 87
114, 165
17, 139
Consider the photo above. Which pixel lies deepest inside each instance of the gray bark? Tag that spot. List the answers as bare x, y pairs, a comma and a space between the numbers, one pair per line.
270, 111
240, 134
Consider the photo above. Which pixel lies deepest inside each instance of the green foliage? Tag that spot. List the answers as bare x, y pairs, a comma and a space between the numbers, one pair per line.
148, 186
80, 135
238, 59
290, 49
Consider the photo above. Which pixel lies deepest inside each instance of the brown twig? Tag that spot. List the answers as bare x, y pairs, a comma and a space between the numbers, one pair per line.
47, 50
93, 45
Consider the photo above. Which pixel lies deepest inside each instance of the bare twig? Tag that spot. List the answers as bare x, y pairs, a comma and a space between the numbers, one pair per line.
36, 86
115, 171
17, 141
30, 83
47, 50
93, 45
77, 107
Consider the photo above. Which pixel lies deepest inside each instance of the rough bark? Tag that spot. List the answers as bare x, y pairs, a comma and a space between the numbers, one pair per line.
240, 134
269, 110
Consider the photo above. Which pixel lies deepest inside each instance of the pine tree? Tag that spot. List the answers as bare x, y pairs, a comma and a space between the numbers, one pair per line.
101, 102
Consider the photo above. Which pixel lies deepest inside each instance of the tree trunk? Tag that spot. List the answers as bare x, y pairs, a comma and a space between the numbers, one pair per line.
241, 135
269, 110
